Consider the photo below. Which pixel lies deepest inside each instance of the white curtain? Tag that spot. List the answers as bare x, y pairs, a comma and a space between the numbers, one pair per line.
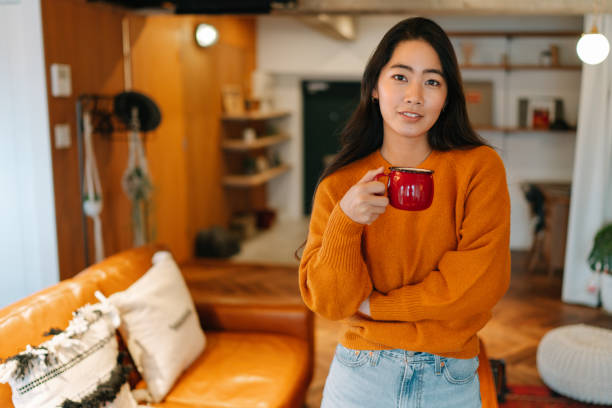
591, 202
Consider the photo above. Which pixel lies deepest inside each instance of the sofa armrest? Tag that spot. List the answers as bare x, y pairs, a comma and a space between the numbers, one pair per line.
293, 320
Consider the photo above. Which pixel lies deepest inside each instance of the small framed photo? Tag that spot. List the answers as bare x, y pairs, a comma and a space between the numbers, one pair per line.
541, 112
233, 100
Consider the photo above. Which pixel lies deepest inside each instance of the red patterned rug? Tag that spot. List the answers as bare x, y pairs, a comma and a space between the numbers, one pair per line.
533, 396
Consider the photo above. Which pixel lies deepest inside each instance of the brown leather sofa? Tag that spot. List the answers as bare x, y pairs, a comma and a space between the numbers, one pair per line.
255, 356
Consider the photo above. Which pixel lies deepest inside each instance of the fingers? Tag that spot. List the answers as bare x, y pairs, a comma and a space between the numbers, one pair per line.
370, 175
374, 187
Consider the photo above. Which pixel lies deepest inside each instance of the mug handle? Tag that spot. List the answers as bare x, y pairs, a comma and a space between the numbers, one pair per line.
383, 174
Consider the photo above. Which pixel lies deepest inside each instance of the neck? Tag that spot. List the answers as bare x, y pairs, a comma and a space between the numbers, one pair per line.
405, 152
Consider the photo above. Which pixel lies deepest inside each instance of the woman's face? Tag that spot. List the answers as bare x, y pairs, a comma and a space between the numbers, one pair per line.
411, 90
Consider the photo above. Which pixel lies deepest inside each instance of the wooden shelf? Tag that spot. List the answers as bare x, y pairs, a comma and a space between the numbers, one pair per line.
252, 180
511, 34
255, 116
523, 67
521, 130
259, 143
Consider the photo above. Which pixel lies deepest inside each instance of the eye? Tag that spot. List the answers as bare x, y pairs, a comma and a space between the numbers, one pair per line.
433, 82
399, 77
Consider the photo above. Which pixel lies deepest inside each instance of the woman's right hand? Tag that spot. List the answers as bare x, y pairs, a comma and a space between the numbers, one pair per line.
362, 202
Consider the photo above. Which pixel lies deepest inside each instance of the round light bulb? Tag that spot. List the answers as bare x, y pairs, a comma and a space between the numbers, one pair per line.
593, 48
206, 35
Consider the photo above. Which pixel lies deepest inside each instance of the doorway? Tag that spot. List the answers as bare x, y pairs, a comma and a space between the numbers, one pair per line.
327, 107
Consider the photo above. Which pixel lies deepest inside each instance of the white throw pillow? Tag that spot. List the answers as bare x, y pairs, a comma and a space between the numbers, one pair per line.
74, 368
160, 325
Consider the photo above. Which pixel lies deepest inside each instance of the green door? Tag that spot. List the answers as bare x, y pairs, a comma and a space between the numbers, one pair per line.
327, 108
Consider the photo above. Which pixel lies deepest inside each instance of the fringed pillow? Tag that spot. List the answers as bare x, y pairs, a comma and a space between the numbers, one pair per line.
79, 367
160, 325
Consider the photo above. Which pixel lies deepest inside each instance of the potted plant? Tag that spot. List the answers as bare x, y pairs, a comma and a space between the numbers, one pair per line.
600, 261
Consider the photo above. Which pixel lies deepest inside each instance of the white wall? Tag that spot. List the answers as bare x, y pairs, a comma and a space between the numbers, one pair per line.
292, 52
28, 243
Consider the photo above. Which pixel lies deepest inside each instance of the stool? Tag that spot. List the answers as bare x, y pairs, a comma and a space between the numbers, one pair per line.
576, 361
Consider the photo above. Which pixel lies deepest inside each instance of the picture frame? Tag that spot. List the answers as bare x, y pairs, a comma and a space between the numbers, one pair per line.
540, 112
233, 99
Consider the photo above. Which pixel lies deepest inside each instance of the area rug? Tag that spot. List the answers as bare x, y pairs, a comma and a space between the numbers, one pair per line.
533, 396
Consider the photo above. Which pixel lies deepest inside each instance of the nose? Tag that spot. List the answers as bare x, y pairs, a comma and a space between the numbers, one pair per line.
414, 93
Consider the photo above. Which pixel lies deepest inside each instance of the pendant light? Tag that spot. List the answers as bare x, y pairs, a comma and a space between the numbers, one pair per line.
593, 48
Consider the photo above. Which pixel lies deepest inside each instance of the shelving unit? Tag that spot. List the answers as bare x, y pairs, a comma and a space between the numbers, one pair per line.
254, 180
261, 142
495, 51
249, 163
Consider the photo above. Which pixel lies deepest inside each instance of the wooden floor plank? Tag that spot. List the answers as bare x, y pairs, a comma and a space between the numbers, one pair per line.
530, 308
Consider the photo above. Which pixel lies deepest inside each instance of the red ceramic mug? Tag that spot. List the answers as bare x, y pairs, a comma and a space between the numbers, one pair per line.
409, 188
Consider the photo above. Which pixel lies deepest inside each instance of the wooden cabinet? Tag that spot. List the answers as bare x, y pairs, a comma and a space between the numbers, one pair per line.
251, 145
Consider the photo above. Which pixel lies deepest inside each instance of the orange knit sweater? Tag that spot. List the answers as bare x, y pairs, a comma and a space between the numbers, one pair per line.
432, 276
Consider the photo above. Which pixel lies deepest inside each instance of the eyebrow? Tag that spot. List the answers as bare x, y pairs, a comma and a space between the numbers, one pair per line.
425, 71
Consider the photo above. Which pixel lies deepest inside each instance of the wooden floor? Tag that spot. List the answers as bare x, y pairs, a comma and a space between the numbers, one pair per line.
530, 308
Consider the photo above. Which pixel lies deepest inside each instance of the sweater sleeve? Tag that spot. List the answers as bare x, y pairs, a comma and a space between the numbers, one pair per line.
333, 276
472, 278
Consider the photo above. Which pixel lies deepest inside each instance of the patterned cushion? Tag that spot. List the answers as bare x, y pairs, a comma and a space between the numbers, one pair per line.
160, 325
77, 367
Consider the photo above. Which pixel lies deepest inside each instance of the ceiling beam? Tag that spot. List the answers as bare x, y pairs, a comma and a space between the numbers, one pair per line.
451, 7
337, 26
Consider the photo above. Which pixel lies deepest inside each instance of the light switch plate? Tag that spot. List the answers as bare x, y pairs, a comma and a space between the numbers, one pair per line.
61, 80
62, 136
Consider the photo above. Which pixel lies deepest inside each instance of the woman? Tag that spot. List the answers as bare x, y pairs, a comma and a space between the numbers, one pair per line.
413, 287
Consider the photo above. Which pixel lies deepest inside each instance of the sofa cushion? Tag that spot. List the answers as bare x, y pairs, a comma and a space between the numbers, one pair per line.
160, 325
78, 366
243, 370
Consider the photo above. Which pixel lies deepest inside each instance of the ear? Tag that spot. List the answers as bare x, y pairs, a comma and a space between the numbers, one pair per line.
375, 93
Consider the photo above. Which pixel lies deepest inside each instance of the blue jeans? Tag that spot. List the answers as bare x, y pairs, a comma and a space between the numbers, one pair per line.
400, 379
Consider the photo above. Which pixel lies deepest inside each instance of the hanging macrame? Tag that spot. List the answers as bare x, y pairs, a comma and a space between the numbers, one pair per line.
92, 190
136, 181
140, 114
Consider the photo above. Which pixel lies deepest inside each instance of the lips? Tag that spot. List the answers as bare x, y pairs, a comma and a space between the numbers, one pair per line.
411, 115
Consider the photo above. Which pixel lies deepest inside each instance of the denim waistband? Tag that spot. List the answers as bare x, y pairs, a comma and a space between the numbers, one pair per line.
410, 356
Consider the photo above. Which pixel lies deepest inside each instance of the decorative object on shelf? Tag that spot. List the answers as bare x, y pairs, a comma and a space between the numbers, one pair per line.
143, 115
249, 135
206, 35
261, 90
545, 58
554, 55
593, 48
262, 164
467, 50
233, 100
559, 123
479, 101
504, 60
522, 112
540, 112
600, 262
249, 165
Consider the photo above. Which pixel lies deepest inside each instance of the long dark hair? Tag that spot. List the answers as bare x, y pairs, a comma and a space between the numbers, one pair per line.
363, 133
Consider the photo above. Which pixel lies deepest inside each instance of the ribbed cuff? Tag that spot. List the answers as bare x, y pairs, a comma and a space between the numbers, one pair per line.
407, 308
341, 245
